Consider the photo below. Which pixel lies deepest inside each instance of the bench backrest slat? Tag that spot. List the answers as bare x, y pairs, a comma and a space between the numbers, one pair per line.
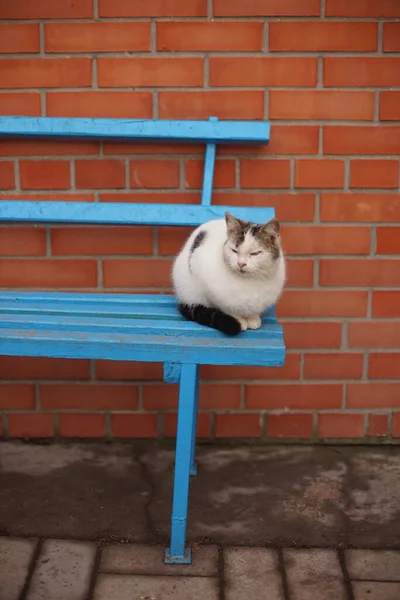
115, 213
211, 131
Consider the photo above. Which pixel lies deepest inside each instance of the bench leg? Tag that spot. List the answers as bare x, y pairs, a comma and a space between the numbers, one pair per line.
178, 553
193, 465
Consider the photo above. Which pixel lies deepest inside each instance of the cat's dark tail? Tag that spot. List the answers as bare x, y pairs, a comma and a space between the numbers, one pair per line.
211, 317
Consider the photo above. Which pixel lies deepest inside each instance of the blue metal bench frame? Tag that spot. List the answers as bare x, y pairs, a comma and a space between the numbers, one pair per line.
136, 327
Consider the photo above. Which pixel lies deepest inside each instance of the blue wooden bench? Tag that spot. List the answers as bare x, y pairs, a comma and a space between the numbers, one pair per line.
136, 327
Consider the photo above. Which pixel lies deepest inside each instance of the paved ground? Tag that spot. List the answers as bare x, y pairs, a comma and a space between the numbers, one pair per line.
89, 521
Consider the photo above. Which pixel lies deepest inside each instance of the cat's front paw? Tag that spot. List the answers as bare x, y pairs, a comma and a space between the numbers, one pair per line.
243, 323
254, 322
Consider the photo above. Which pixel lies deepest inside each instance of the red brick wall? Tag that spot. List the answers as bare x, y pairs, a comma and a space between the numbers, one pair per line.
327, 75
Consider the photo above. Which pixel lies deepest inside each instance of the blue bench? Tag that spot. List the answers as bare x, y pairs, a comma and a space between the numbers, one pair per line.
136, 327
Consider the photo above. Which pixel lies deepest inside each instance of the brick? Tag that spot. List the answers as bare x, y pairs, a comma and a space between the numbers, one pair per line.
340, 425
263, 71
293, 139
314, 573
224, 174
212, 396
321, 104
63, 565
203, 425
20, 104
362, 8
311, 173
47, 9
396, 425
17, 396
264, 173
154, 174
333, 366
250, 572
313, 335
156, 197
373, 564
7, 181
300, 273
266, 8
113, 105
45, 175
213, 36
134, 425
291, 370
148, 72
81, 425
31, 425
46, 72
359, 72
373, 395
131, 371
98, 174
378, 425
128, 148
362, 140
171, 239
15, 556
20, 367
386, 303
379, 590
49, 273
322, 239
148, 560
237, 425
378, 334
384, 365
374, 173
22, 241
323, 36
157, 8
360, 207
160, 397
137, 273
97, 37
290, 426
388, 240
21, 148
47, 197
95, 241
389, 106
21, 37
200, 105
293, 396
359, 272
321, 303
89, 396
391, 37
288, 207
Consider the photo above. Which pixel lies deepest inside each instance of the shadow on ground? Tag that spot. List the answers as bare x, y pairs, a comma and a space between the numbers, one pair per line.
285, 495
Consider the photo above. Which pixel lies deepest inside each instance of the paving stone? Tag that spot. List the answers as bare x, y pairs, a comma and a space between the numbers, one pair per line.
149, 560
252, 573
139, 587
63, 571
374, 564
376, 590
314, 574
15, 558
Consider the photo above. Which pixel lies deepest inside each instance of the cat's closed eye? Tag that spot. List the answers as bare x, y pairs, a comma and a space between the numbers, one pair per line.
255, 253
233, 250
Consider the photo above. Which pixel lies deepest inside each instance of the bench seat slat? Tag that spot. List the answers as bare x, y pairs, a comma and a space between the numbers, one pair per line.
150, 130
240, 350
118, 213
111, 325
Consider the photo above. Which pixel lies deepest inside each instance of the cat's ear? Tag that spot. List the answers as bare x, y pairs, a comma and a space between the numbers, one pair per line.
233, 225
271, 229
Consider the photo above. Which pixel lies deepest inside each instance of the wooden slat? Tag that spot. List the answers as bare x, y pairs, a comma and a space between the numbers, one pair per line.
147, 348
222, 132
115, 213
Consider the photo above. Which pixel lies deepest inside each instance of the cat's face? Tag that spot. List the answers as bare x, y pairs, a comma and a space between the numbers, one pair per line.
251, 249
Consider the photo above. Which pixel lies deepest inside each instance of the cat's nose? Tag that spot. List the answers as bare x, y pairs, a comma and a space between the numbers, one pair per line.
241, 265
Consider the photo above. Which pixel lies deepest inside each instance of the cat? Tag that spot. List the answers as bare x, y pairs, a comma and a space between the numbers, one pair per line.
229, 272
